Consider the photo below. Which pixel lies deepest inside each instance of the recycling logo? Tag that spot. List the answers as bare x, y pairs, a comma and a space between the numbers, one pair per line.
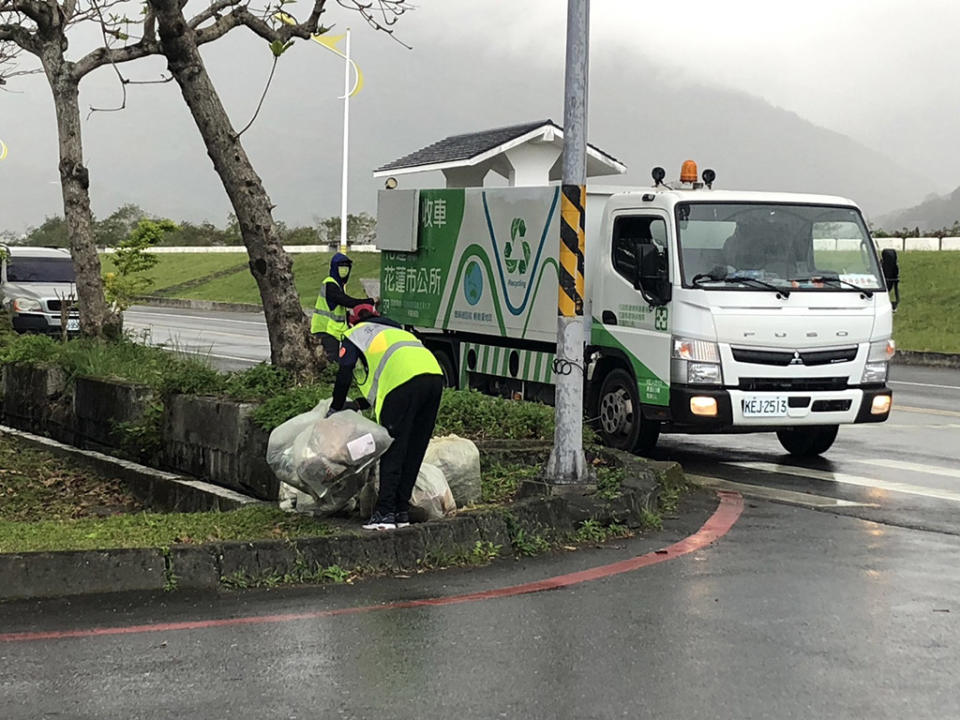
516, 258
660, 319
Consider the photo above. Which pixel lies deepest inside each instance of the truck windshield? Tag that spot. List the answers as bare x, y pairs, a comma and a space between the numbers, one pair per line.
795, 247
40, 270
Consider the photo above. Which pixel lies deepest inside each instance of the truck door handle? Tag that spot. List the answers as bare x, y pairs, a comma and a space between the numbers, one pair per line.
608, 317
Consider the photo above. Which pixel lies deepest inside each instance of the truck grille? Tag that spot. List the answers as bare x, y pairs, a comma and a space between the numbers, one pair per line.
783, 358
55, 305
757, 384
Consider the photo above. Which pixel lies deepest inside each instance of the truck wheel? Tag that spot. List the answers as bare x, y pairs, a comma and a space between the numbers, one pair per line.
622, 425
808, 441
450, 379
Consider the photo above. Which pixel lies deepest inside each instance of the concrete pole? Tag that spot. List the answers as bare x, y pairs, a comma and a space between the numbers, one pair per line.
567, 462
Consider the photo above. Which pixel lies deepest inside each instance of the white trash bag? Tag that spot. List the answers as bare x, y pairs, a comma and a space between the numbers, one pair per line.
431, 498
327, 458
459, 460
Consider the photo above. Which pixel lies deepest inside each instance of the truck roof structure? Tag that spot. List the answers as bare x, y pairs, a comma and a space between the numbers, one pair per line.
526, 154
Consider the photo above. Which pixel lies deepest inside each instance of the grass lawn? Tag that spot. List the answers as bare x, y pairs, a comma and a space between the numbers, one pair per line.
928, 317
47, 503
185, 267
239, 286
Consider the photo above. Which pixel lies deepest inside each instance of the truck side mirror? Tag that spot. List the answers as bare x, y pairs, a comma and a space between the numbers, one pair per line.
652, 278
891, 273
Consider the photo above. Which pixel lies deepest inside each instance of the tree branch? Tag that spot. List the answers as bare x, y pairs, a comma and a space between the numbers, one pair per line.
212, 11
31, 8
21, 37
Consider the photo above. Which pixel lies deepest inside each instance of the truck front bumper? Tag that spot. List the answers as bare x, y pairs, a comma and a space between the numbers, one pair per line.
833, 407
42, 323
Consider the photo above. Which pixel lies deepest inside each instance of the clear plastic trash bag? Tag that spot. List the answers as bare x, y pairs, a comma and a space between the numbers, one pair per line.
329, 458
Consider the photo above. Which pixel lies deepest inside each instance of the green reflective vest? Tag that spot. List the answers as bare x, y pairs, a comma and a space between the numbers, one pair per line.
393, 357
325, 320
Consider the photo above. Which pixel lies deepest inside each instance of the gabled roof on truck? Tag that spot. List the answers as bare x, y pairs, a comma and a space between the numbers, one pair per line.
476, 148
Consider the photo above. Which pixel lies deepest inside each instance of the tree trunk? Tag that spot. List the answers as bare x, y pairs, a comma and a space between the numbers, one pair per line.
291, 345
96, 318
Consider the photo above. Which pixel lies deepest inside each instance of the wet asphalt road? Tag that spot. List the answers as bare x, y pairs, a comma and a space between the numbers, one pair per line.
801, 610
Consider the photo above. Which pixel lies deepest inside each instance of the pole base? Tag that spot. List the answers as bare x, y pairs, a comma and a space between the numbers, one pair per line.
568, 467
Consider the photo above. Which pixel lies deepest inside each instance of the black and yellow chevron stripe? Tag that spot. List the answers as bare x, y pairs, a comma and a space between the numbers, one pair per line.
570, 299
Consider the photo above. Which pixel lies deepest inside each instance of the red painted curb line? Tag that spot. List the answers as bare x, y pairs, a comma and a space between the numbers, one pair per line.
723, 518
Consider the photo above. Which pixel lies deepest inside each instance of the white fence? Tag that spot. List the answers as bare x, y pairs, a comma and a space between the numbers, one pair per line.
898, 244
293, 249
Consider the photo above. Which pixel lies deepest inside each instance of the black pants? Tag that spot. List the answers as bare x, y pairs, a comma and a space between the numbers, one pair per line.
330, 345
409, 413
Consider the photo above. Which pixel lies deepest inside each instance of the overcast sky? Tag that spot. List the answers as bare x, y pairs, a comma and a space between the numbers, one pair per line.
882, 72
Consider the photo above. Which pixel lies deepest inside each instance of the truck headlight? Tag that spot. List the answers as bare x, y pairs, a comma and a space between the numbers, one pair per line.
698, 350
704, 373
696, 362
26, 305
874, 373
881, 351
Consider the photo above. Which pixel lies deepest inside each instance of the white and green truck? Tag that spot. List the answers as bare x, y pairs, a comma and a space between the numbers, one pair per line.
706, 311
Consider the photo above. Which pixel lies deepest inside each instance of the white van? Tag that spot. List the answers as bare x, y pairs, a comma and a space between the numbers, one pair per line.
35, 282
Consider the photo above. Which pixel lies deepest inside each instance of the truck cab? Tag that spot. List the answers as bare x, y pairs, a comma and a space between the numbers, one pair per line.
736, 312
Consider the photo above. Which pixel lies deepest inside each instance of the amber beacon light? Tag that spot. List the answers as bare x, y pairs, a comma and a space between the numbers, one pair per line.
688, 172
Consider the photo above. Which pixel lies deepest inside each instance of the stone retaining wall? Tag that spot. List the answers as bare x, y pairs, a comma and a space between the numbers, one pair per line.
208, 438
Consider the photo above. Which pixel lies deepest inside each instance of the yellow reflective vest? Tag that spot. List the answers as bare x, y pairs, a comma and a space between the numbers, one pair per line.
325, 320
393, 357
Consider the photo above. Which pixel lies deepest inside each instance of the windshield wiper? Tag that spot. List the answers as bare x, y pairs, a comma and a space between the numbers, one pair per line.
866, 292
743, 279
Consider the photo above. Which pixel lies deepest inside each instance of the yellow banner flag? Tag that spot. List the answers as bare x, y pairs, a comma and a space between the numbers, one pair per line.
330, 43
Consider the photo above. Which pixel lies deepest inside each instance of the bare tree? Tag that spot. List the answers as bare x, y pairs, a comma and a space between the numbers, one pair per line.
40, 27
290, 341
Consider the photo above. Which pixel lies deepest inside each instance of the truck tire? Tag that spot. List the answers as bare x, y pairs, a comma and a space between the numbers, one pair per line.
621, 421
450, 379
808, 441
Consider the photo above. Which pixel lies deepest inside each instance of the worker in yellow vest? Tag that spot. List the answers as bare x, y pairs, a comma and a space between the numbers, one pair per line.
330, 313
402, 381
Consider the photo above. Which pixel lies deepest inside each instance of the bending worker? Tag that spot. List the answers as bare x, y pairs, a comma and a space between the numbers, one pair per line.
401, 380
330, 313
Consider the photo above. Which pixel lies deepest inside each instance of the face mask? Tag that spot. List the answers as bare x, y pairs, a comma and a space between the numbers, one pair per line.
344, 271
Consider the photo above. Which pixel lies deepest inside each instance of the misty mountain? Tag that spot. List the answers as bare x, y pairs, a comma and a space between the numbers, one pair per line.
934, 213
151, 155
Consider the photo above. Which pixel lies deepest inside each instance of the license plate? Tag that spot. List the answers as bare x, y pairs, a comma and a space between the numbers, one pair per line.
73, 325
775, 406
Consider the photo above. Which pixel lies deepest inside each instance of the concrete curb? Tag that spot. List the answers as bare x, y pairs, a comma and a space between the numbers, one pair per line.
156, 488
54, 574
926, 359
184, 304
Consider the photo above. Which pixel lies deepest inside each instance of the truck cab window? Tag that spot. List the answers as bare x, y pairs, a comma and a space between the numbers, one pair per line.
631, 231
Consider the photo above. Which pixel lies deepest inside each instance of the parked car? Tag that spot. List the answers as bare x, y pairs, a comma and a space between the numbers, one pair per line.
34, 284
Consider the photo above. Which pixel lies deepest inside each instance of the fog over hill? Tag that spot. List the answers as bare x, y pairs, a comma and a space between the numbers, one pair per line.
150, 154
934, 213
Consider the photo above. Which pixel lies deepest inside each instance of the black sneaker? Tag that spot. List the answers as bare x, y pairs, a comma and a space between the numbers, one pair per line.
403, 519
378, 521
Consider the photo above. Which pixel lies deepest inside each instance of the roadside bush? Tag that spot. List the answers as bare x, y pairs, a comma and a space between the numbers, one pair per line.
289, 403
473, 415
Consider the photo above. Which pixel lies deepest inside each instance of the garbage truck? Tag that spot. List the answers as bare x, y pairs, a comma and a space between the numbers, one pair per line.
706, 310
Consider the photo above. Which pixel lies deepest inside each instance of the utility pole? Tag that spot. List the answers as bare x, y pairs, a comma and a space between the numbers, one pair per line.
567, 462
